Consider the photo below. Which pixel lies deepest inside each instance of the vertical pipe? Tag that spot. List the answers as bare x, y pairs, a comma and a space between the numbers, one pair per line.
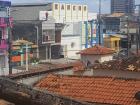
46, 52
37, 41
50, 52
9, 47
99, 20
139, 30
137, 43
86, 33
27, 57
91, 42
97, 36
22, 56
128, 39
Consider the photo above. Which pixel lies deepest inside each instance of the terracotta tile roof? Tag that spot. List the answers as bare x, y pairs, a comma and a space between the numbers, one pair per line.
97, 50
131, 64
93, 89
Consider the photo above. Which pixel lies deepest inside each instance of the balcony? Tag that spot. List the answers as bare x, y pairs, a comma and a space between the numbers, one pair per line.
3, 44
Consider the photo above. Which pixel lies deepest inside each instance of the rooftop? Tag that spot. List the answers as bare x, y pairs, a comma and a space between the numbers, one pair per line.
116, 15
96, 50
103, 90
29, 4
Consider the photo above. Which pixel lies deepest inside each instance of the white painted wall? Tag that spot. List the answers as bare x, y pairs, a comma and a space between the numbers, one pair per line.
106, 57
67, 15
72, 45
93, 58
80, 13
71, 34
74, 13
85, 12
56, 12
62, 13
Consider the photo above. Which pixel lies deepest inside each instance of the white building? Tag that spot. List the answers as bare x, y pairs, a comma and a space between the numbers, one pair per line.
73, 34
95, 54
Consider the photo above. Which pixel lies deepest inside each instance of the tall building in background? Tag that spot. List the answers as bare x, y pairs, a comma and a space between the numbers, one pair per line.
122, 6
5, 25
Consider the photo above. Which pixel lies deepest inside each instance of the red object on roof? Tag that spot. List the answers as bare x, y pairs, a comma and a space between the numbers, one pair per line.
93, 89
78, 66
97, 50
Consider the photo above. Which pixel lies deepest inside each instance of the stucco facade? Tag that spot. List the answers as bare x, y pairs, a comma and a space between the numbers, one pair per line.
92, 58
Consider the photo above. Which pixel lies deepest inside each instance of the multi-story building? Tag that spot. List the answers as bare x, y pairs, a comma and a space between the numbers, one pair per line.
5, 24
122, 6
64, 26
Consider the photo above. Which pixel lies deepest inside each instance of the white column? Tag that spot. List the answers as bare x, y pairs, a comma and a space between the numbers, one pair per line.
27, 58
22, 57
46, 52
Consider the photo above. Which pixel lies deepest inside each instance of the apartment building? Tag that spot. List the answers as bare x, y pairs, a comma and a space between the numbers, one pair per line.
5, 25
122, 6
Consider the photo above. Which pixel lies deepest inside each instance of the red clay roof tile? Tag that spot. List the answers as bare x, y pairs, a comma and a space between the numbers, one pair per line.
97, 50
93, 89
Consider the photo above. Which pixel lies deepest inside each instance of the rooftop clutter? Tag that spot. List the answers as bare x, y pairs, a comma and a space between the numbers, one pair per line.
128, 64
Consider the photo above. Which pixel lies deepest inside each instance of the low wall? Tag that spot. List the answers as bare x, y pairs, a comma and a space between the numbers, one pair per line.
25, 95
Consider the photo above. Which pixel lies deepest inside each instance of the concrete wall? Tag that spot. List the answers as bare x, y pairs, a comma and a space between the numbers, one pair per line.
106, 58
28, 12
65, 13
117, 73
71, 40
90, 58
71, 45
93, 58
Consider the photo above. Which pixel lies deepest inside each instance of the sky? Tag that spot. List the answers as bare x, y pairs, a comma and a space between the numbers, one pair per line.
92, 4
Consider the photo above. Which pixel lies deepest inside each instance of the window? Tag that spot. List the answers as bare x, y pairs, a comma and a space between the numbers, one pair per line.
72, 45
85, 8
62, 7
79, 8
68, 7
56, 6
48, 36
74, 8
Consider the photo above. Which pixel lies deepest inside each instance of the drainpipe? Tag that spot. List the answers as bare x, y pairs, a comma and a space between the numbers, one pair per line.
91, 42
27, 57
86, 34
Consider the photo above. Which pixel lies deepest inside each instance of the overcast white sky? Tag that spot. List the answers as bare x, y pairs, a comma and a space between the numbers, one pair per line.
93, 4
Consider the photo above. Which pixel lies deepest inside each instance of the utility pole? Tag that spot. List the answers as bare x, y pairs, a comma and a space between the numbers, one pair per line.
99, 20
138, 30
37, 37
27, 66
9, 40
128, 38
